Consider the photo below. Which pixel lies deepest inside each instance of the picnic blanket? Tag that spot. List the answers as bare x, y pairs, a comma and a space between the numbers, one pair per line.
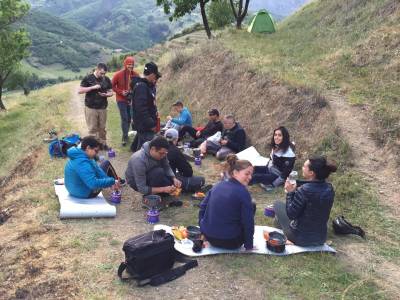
71, 207
185, 246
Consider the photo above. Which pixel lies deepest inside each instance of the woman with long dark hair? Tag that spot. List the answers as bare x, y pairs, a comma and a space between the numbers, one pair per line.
281, 162
305, 215
226, 215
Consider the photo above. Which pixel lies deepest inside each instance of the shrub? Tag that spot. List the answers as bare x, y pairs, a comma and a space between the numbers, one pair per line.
220, 14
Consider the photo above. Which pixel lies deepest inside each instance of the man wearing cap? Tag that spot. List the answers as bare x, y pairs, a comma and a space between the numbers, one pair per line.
144, 105
184, 117
120, 85
180, 166
213, 126
97, 87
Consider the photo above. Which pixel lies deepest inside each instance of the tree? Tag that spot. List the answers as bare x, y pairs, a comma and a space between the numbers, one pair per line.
183, 7
219, 13
239, 11
14, 42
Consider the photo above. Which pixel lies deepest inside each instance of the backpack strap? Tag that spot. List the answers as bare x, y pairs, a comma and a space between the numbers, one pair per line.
172, 274
121, 269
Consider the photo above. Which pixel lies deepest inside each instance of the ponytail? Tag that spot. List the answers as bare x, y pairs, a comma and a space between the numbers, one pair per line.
233, 163
321, 167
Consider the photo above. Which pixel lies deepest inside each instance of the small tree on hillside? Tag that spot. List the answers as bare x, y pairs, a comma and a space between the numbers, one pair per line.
183, 7
239, 11
13, 42
219, 13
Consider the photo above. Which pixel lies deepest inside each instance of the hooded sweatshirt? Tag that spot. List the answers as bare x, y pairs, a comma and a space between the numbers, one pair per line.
140, 164
82, 175
121, 80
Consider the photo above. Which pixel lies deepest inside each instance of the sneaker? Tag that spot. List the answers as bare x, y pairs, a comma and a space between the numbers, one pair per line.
122, 182
267, 187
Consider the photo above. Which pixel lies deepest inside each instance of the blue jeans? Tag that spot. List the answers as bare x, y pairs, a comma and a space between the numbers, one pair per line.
125, 113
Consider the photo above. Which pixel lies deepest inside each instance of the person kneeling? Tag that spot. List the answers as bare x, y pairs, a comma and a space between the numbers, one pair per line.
83, 178
226, 215
148, 170
180, 166
305, 215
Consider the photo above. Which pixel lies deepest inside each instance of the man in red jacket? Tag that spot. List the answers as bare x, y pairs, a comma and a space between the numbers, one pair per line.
120, 85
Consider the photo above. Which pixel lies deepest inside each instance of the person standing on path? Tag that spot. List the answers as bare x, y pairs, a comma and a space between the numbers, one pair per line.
121, 86
144, 104
97, 87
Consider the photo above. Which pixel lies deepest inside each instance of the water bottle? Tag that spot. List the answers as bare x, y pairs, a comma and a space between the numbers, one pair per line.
186, 147
111, 153
293, 177
197, 161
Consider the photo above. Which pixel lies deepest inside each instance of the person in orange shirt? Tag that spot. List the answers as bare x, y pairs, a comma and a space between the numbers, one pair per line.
120, 85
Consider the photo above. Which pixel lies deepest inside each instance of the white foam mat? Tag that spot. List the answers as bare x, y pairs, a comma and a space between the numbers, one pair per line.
71, 207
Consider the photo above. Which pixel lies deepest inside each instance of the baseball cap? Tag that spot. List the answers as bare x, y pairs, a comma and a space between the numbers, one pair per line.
151, 68
171, 134
213, 112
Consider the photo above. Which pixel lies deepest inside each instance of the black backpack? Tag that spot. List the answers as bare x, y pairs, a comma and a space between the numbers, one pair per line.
149, 259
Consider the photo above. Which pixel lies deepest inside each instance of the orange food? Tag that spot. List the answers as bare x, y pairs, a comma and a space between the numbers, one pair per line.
200, 194
266, 235
177, 192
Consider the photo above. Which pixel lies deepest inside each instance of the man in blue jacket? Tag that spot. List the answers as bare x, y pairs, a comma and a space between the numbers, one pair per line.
184, 117
83, 178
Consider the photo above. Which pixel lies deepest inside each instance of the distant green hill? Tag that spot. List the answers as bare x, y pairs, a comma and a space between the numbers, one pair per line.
134, 24
55, 40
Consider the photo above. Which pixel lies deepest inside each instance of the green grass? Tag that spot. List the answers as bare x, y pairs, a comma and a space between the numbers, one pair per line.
26, 123
335, 45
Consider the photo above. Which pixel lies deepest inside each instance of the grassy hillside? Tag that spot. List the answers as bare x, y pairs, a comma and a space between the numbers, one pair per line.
58, 41
349, 47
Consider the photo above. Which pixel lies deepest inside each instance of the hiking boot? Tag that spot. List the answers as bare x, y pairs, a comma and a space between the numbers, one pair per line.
124, 141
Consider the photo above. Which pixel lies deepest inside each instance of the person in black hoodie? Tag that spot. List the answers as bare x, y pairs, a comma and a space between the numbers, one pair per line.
213, 126
233, 140
305, 215
144, 105
282, 159
180, 166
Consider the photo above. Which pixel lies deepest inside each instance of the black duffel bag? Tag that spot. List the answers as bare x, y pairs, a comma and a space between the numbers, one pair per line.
149, 259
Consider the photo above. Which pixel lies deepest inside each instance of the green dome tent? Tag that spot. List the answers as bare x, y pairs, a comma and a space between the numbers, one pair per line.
262, 22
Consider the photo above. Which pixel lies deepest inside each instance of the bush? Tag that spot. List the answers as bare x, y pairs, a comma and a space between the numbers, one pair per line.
220, 14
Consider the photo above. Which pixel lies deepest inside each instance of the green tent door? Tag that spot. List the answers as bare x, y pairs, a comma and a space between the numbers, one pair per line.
262, 23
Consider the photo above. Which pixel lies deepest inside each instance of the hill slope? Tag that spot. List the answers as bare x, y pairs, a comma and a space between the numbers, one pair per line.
349, 47
58, 41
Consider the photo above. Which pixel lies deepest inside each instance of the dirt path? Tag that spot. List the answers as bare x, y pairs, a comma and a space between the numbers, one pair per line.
377, 167
76, 113
376, 164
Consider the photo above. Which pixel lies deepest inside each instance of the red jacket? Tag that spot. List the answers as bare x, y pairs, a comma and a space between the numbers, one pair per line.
121, 81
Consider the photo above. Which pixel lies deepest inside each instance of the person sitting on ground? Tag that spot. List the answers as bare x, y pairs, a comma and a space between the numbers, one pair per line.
233, 140
226, 215
148, 170
213, 126
181, 167
282, 159
305, 215
184, 117
83, 178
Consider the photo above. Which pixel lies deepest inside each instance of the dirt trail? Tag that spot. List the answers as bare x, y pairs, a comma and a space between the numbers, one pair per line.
76, 113
378, 167
376, 164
